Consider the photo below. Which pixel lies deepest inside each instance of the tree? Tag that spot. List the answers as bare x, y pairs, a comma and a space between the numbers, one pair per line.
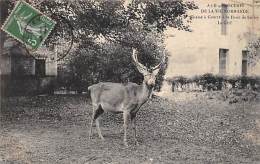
104, 32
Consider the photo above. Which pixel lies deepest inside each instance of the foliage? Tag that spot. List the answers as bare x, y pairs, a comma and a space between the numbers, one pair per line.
179, 80
105, 31
110, 63
91, 19
211, 82
160, 14
208, 82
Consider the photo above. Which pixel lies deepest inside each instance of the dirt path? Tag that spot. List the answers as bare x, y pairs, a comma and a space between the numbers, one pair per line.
186, 129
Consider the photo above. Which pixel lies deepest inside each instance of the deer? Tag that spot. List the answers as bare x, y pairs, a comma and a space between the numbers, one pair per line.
123, 98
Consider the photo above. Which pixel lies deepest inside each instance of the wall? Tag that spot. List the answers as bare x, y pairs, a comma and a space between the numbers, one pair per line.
51, 66
18, 72
197, 52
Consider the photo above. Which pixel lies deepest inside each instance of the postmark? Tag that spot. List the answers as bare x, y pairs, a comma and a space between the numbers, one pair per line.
62, 36
28, 25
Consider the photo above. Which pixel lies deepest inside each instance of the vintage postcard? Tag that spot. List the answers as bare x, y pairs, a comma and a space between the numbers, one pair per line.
129, 81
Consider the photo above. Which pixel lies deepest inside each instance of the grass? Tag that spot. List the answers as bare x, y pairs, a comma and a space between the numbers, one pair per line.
185, 128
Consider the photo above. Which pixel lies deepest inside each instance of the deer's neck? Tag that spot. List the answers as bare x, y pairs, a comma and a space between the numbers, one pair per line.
146, 91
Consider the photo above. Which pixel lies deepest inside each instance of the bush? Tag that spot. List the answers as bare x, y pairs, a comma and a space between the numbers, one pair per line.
210, 82
110, 63
179, 81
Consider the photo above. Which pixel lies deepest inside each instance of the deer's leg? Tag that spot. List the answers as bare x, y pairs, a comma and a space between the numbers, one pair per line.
133, 121
125, 116
92, 120
96, 113
98, 129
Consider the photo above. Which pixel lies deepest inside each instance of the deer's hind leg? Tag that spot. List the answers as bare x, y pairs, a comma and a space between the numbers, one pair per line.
97, 111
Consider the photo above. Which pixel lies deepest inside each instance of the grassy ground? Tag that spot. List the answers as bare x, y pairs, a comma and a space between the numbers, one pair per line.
186, 128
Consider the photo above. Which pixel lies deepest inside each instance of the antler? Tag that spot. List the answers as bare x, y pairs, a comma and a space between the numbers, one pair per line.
162, 62
141, 68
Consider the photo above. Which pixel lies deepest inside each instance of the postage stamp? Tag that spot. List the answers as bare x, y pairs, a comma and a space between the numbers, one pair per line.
28, 25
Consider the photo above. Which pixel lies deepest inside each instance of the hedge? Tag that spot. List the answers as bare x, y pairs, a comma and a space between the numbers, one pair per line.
208, 82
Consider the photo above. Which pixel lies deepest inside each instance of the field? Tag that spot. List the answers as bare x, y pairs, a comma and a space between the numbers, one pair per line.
185, 128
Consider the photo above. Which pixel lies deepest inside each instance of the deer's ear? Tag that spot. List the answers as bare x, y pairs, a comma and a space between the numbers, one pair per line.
155, 72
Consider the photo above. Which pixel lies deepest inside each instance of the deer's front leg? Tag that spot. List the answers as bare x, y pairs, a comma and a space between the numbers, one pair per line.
125, 117
133, 121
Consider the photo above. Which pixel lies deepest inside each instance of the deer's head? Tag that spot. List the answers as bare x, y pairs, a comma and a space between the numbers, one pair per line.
149, 74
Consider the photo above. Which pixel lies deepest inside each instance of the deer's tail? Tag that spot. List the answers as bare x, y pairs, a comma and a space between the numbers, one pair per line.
92, 86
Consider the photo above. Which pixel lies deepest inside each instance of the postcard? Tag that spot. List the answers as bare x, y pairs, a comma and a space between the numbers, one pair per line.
130, 81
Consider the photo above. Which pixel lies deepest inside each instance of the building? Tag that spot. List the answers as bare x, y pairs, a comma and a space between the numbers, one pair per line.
27, 73
218, 43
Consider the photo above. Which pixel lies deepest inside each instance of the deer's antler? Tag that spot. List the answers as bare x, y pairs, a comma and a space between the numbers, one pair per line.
141, 68
162, 62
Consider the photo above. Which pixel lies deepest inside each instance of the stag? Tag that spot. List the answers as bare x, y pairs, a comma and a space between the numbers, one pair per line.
123, 98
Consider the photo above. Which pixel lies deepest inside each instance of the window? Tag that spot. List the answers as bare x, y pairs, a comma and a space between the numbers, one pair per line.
223, 55
244, 63
224, 8
40, 67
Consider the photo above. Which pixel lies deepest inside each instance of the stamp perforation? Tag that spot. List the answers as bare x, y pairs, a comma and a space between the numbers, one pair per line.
4, 26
